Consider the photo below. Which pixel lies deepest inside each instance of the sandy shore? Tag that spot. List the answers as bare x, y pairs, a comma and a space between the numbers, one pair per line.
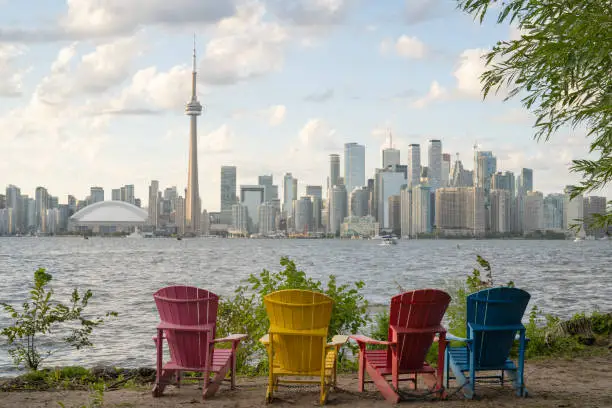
551, 383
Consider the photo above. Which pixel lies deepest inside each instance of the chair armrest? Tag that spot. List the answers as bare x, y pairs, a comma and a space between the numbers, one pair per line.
338, 340
185, 327
360, 338
265, 339
452, 337
231, 338
508, 327
423, 330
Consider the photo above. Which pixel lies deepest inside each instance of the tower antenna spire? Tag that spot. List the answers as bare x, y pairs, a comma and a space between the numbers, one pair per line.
390, 138
194, 72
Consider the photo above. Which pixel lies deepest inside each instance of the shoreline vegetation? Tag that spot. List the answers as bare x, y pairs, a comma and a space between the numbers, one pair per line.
582, 337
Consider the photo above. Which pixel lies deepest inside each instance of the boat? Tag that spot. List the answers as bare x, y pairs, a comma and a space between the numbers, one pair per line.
580, 236
135, 234
388, 240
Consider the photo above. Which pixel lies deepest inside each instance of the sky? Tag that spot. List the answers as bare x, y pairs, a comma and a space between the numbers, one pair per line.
93, 93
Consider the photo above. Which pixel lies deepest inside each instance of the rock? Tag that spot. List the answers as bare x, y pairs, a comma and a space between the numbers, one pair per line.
105, 372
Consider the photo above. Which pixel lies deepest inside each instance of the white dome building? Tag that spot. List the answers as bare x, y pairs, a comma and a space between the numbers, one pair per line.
110, 215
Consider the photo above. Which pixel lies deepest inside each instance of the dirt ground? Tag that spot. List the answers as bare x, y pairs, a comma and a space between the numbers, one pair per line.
584, 382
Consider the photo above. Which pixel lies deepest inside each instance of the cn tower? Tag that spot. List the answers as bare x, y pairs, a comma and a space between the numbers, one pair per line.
193, 109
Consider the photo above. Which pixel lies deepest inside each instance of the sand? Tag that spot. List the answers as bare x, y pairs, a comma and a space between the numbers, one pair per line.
585, 382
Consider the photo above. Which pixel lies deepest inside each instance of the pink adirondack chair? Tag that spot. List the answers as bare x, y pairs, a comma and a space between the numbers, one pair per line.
414, 320
188, 323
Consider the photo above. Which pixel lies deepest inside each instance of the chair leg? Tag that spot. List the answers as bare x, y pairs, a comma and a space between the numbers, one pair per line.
362, 364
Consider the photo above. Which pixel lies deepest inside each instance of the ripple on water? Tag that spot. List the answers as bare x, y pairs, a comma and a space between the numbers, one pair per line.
562, 277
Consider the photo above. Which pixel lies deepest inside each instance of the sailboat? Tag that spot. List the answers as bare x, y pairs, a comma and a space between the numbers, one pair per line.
581, 235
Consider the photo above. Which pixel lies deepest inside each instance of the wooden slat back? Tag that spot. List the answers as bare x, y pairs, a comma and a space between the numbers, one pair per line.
188, 306
495, 307
416, 310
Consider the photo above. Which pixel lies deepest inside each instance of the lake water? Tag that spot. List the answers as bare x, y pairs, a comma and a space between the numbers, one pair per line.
563, 277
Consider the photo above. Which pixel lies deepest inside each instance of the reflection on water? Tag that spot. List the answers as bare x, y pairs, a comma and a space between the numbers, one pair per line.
563, 276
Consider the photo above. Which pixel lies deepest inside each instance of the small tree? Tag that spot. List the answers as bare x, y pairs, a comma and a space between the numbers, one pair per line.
42, 314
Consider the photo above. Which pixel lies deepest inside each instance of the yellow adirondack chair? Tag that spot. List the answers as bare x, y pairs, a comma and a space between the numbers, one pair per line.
297, 340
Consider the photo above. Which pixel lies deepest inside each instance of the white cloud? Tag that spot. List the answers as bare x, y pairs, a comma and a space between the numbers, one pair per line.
153, 89
436, 93
470, 67
312, 12
104, 17
219, 140
96, 72
276, 114
244, 46
11, 77
419, 11
404, 46
317, 134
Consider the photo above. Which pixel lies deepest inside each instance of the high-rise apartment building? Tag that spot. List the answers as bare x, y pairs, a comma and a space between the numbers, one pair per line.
359, 202
406, 211
446, 167
504, 181
337, 208
533, 215
500, 211
228, 192
96, 194
288, 194
573, 210
271, 191
387, 183
42, 204
435, 163
334, 170
354, 166
594, 206
116, 194
553, 212
421, 209
395, 215
154, 203
414, 164
460, 211
315, 191
303, 215
526, 181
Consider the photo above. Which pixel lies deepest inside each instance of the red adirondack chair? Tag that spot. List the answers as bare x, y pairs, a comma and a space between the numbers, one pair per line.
414, 320
188, 323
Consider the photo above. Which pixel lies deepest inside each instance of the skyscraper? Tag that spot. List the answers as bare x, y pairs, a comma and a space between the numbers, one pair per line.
354, 166
288, 194
435, 163
228, 192
153, 203
446, 166
334, 170
193, 109
526, 181
96, 194
390, 155
414, 165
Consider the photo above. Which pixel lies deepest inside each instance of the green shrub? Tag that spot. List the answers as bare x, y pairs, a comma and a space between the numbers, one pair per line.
40, 316
245, 312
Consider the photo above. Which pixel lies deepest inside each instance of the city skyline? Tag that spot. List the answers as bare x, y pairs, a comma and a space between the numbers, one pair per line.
99, 103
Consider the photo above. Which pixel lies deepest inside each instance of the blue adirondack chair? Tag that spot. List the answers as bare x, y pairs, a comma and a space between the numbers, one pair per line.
493, 320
